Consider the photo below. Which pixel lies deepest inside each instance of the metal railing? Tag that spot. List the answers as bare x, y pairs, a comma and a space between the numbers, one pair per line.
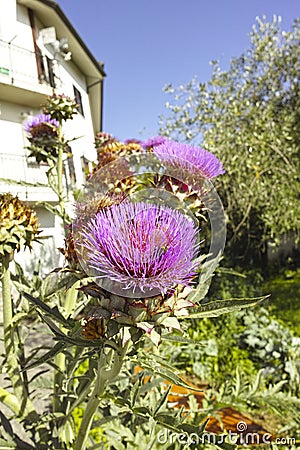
17, 64
16, 167
22, 170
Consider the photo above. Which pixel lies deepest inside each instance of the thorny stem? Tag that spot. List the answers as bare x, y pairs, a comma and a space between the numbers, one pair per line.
13, 367
60, 192
72, 293
103, 377
69, 304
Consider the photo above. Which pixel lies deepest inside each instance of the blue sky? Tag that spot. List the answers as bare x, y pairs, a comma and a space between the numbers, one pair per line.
146, 44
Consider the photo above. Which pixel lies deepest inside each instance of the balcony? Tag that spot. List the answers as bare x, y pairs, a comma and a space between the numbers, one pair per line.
19, 77
19, 168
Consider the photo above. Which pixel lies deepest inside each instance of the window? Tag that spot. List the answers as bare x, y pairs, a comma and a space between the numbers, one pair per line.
78, 100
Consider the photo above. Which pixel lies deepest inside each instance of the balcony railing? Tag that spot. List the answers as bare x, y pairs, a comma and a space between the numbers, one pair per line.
18, 168
19, 65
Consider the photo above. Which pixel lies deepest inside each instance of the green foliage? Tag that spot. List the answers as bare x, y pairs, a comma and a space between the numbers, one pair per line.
285, 294
248, 116
251, 340
218, 355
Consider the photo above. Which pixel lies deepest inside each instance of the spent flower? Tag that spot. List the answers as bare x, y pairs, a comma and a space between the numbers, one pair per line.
110, 149
19, 224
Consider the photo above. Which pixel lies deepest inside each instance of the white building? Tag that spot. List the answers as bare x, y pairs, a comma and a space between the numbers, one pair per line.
41, 53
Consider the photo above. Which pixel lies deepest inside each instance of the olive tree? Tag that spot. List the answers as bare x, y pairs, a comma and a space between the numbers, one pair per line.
249, 116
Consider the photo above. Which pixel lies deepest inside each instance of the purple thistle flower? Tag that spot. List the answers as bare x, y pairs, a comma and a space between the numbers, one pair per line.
154, 142
141, 246
194, 160
38, 120
133, 141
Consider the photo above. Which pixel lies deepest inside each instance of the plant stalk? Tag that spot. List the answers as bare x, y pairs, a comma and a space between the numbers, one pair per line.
60, 192
103, 377
60, 359
11, 351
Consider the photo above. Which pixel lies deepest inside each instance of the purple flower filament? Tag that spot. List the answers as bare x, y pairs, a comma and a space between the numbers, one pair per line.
141, 246
197, 161
38, 120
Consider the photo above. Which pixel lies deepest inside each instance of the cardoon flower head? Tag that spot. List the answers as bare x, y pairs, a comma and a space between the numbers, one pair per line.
133, 141
102, 138
141, 247
112, 149
19, 224
41, 125
61, 107
152, 142
194, 160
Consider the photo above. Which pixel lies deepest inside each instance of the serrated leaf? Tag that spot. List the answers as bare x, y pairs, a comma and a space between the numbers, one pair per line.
12, 439
23, 183
162, 401
166, 373
53, 327
179, 339
141, 411
54, 283
115, 443
218, 307
200, 292
58, 347
277, 387
168, 421
135, 391
256, 384
53, 312
171, 322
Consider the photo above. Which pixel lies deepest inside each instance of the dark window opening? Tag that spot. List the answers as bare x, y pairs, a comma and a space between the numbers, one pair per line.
51, 75
70, 168
78, 100
46, 71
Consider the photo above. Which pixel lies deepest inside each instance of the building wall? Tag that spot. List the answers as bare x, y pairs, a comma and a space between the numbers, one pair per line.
21, 96
7, 19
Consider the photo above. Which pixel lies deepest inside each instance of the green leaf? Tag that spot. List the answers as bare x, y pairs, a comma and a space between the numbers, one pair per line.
218, 307
5, 445
58, 347
168, 421
135, 391
171, 322
53, 312
10, 400
226, 446
55, 282
256, 384
23, 183
162, 401
180, 339
200, 292
169, 373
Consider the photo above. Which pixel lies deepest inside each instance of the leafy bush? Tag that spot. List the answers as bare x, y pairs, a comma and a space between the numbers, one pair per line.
284, 288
